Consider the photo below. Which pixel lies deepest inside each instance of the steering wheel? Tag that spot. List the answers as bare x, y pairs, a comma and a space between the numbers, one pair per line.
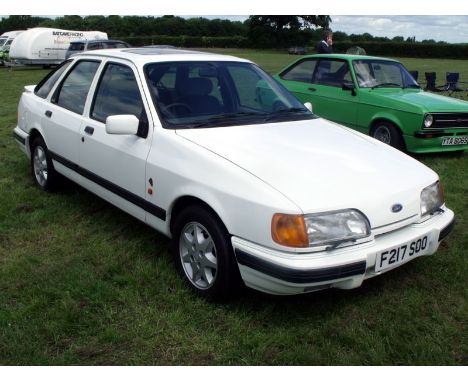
176, 104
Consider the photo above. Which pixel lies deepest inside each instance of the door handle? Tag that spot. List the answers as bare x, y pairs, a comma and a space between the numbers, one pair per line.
48, 113
89, 130
312, 89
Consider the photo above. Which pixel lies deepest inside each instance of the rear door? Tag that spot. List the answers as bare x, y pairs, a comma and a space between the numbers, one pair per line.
63, 117
116, 163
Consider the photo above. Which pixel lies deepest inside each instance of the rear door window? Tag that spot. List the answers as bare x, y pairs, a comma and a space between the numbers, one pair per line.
73, 91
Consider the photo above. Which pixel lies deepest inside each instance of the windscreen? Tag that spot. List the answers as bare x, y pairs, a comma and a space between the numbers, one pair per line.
212, 94
379, 73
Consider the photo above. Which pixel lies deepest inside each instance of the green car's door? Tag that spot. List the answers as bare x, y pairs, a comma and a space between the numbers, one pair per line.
331, 100
320, 81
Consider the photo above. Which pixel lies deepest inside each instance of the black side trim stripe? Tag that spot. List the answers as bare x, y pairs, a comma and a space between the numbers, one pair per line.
300, 276
444, 233
19, 138
123, 193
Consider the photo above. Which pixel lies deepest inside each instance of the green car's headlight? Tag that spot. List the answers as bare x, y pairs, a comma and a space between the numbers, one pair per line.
428, 120
432, 198
332, 227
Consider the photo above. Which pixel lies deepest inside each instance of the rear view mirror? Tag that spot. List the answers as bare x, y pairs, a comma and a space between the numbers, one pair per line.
122, 124
308, 106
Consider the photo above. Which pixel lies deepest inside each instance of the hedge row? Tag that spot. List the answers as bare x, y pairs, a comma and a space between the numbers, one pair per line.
406, 49
188, 41
399, 49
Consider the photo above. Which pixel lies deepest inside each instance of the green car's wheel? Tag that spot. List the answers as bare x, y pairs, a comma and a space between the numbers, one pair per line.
389, 134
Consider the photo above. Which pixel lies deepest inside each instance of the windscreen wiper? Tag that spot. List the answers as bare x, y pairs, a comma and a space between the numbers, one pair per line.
283, 112
225, 118
383, 84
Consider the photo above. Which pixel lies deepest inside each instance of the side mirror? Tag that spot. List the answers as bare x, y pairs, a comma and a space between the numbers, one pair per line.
349, 87
308, 106
122, 124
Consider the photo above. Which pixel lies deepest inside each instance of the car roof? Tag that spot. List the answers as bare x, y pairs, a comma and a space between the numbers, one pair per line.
348, 57
142, 56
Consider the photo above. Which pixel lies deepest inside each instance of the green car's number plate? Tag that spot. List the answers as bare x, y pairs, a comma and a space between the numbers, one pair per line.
455, 141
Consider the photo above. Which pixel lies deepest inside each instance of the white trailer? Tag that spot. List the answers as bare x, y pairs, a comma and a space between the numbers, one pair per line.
47, 46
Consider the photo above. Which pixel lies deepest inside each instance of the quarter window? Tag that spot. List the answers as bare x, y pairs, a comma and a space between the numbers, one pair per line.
43, 88
72, 94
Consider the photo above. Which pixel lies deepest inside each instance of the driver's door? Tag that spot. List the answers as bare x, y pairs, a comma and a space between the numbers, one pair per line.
331, 100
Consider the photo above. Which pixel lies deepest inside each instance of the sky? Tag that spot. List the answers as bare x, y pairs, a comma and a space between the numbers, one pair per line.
439, 28
357, 16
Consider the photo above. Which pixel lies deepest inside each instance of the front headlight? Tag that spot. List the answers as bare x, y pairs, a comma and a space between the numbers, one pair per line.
336, 226
428, 120
319, 229
432, 198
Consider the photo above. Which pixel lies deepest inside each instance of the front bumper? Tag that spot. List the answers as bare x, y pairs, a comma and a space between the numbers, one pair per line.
284, 273
431, 141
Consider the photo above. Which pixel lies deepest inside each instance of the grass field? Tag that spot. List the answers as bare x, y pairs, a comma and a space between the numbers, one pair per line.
83, 283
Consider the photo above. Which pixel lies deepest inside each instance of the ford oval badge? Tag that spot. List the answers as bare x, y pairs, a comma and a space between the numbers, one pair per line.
397, 208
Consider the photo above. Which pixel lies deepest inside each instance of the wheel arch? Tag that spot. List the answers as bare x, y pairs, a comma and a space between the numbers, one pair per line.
185, 201
385, 118
395, 123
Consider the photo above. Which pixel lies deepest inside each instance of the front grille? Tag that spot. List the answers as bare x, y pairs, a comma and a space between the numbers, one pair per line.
449, 120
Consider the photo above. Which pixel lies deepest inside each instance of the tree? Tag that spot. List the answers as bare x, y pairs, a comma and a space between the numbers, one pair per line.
274, 31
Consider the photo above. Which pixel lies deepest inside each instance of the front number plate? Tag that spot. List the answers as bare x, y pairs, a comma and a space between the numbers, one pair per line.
398, 255
452, 141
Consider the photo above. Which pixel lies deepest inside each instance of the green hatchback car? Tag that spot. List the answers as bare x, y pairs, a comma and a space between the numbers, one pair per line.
379, 97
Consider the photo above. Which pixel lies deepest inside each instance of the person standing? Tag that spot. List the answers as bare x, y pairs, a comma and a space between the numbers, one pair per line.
326, 45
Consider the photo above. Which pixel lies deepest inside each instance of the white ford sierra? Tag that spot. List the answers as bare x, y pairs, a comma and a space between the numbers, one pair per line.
250, 185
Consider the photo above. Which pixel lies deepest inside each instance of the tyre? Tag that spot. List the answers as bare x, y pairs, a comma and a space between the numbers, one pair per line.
203, 254
389, 134
42, 169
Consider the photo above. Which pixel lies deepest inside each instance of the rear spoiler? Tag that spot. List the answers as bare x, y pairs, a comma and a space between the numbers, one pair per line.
29, 88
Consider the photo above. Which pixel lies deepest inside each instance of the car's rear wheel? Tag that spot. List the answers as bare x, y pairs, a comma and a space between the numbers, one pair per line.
389, 134
203, 253
42, 169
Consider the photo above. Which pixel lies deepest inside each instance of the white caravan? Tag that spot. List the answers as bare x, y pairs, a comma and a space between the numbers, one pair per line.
47, 46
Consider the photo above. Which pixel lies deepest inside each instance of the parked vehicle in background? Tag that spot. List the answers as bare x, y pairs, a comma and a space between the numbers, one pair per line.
5, 41
8, 37
47, 46
297, 50
84, 45
262, 192
379, 97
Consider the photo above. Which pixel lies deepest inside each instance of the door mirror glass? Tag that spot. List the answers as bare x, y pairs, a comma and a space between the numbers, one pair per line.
125, 124
308, 106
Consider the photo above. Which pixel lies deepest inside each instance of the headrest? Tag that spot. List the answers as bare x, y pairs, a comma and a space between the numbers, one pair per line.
196, 87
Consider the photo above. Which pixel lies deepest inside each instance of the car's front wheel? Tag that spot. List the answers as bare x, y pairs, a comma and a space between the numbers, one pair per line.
42, 169
389, 134
203, 253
